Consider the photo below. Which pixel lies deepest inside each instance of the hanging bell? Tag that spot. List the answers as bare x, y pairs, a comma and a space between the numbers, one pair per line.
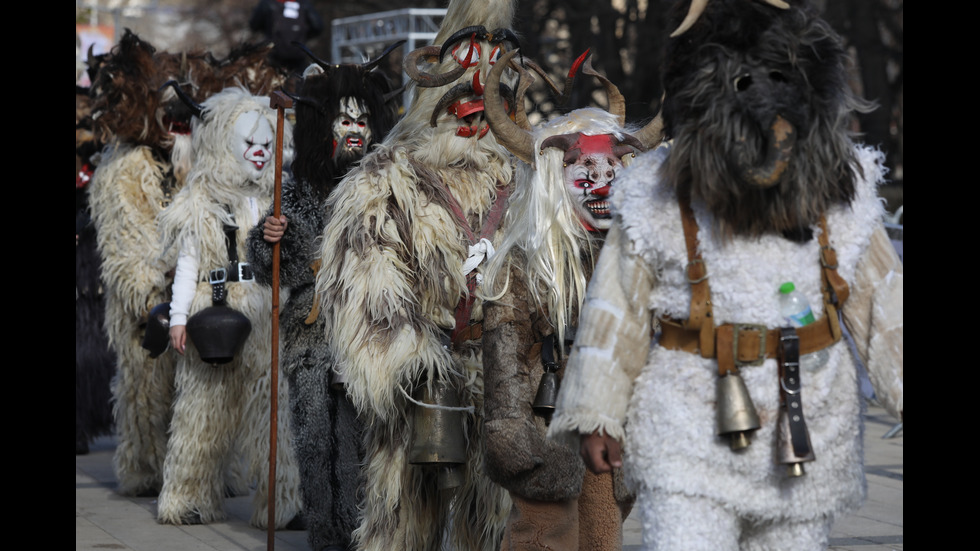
785, 453
544, 400
736, 414
438, 438
218, 333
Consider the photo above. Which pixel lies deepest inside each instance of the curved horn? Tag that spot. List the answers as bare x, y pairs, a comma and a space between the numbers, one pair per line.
394, 94
195, 107
507, 133
617, 103
426, 79
629, 144
307, 100
376, 61
653, 133
782, 138
505, 35
479, 30
461, 90
313, 56
697, 8
525, 80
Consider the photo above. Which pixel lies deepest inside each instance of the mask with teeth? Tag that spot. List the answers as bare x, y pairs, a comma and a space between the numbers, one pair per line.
351, 131
590, 168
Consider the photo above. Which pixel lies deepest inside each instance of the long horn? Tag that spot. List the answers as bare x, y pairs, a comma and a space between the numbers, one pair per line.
507, 133
312, 102
782, 139
195, 107
426, 79
617, 103
653, 133
462, 89
697, 8
313, 56
376, 61
479, 30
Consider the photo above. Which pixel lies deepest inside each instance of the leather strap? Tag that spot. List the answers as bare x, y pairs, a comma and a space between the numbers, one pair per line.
736, 345
700, 318
465, 305
790, 390
315, 307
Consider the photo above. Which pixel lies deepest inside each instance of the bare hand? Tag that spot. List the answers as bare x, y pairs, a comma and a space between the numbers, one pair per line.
601, 452
178, 338
274, 228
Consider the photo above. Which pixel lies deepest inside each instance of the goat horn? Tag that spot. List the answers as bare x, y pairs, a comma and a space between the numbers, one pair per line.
462, 89
426, 79
376, 61
479, 30
195, 107
507, 133
617, 103
697, 8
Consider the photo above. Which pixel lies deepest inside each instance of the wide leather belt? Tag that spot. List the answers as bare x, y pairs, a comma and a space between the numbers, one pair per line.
745, 344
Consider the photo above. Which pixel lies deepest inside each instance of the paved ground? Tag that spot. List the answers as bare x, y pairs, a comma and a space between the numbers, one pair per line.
106, 521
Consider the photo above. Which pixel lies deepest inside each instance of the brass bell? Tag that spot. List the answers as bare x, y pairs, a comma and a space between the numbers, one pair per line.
736, 416
544, 400
438, 437
785, 454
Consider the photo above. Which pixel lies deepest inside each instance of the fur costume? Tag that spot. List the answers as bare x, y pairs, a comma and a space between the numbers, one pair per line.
392, 276
221, 412
327, 433
694, 491
132, 184
548, 249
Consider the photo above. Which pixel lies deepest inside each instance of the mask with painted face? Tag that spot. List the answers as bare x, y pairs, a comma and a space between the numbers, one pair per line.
351, 132
252, 141
590, 168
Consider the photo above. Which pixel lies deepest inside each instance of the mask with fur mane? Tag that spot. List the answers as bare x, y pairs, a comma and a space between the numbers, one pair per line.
758, 107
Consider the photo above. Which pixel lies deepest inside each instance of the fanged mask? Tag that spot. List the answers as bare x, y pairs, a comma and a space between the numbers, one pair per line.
351, 132
591, 164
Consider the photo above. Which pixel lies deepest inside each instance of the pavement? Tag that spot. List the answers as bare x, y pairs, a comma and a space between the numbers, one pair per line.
104, 520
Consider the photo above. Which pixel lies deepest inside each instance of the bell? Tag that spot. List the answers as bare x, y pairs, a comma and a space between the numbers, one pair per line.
785, 454
736, 415
544, 400
438, 438
156, 338
218, 333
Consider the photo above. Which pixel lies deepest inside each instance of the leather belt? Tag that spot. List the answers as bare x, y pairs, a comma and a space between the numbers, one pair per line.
745, 344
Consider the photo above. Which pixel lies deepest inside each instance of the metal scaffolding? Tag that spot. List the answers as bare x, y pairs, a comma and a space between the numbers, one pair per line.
360, 38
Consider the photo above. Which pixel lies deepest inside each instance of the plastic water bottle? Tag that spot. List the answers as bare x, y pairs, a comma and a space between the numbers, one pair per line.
795, 309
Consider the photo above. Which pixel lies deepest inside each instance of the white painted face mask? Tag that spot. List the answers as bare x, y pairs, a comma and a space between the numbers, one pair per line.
252, 141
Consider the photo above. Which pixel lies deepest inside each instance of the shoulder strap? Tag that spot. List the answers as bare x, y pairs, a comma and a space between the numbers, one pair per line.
700, 317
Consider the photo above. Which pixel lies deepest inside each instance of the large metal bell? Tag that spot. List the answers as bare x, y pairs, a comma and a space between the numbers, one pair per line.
218, 333
547, 396
438, 434
736, 415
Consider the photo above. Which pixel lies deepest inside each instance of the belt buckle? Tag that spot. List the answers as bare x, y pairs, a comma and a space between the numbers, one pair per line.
761, 329
245, 272
217, 275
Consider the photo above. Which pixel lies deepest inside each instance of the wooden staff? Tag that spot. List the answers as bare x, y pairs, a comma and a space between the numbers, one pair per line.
280, 102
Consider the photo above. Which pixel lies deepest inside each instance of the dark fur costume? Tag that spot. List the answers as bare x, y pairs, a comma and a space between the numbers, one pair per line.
326, 430
725, 80
95, 363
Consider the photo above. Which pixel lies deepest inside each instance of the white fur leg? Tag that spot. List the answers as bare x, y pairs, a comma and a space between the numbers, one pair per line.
685, 523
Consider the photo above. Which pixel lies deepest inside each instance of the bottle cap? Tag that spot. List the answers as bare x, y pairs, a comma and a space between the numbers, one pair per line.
787, 288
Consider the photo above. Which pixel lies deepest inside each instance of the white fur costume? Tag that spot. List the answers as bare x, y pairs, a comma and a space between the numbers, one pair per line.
221, 411
692, 486
126, 195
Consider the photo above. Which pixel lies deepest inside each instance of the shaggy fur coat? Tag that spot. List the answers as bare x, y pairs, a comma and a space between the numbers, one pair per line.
130, 187
221, 412
660, 402
326, 429
391, 278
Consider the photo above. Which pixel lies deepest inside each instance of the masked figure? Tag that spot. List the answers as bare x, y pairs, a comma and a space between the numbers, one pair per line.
340, 111
732, 437
221, 408
536, 282
401, 252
